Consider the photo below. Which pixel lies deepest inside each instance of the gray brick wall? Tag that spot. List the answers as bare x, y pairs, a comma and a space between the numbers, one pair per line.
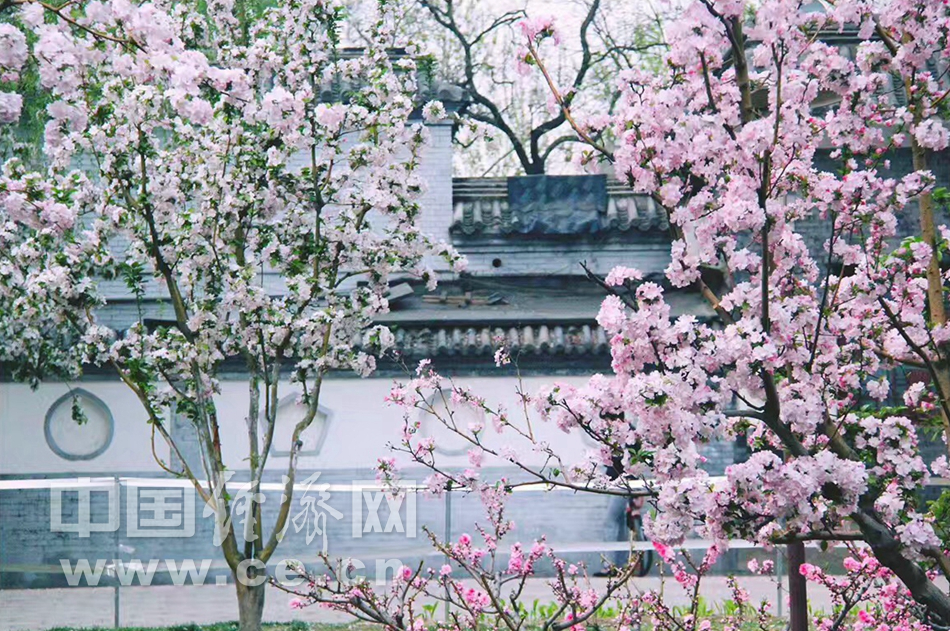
565, 518
26, 539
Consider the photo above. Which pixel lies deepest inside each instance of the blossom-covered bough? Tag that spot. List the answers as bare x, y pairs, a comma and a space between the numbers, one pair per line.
189, 157
760, 133
480, 582
726, 140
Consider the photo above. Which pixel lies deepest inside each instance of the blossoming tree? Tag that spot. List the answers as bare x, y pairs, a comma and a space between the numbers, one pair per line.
729, 142
761, 132
188, 154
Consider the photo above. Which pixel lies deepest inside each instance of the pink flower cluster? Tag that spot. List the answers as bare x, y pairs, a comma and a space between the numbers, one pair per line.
870, 593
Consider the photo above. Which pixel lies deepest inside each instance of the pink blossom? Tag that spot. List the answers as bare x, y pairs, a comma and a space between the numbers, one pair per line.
811, 572
932, 134
666, 553
433, 111
330, 116
477, 599
612, 314
538, 28
878, 389
10, 106
475, 456
32, 15
620, 275
13, 50
282, 109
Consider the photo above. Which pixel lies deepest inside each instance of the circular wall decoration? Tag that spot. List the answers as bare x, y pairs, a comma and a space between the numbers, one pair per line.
79, 441
291, 411
447, 442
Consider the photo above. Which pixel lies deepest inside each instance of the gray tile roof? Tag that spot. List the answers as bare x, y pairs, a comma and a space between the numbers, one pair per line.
481, 209
548, 319
482, 341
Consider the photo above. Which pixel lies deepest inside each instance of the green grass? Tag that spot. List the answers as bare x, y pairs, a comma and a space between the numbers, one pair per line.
297, 625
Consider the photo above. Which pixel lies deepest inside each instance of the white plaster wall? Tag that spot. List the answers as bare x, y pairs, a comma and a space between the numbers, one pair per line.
532, 257
359, 427
435, 167
23, 447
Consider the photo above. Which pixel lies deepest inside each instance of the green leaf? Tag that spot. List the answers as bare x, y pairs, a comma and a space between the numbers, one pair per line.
78, 414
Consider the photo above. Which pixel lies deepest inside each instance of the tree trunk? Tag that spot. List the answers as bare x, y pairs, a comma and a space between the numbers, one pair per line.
797, 588
250, 605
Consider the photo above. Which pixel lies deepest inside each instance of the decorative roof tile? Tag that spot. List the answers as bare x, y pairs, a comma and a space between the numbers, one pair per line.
482, 341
